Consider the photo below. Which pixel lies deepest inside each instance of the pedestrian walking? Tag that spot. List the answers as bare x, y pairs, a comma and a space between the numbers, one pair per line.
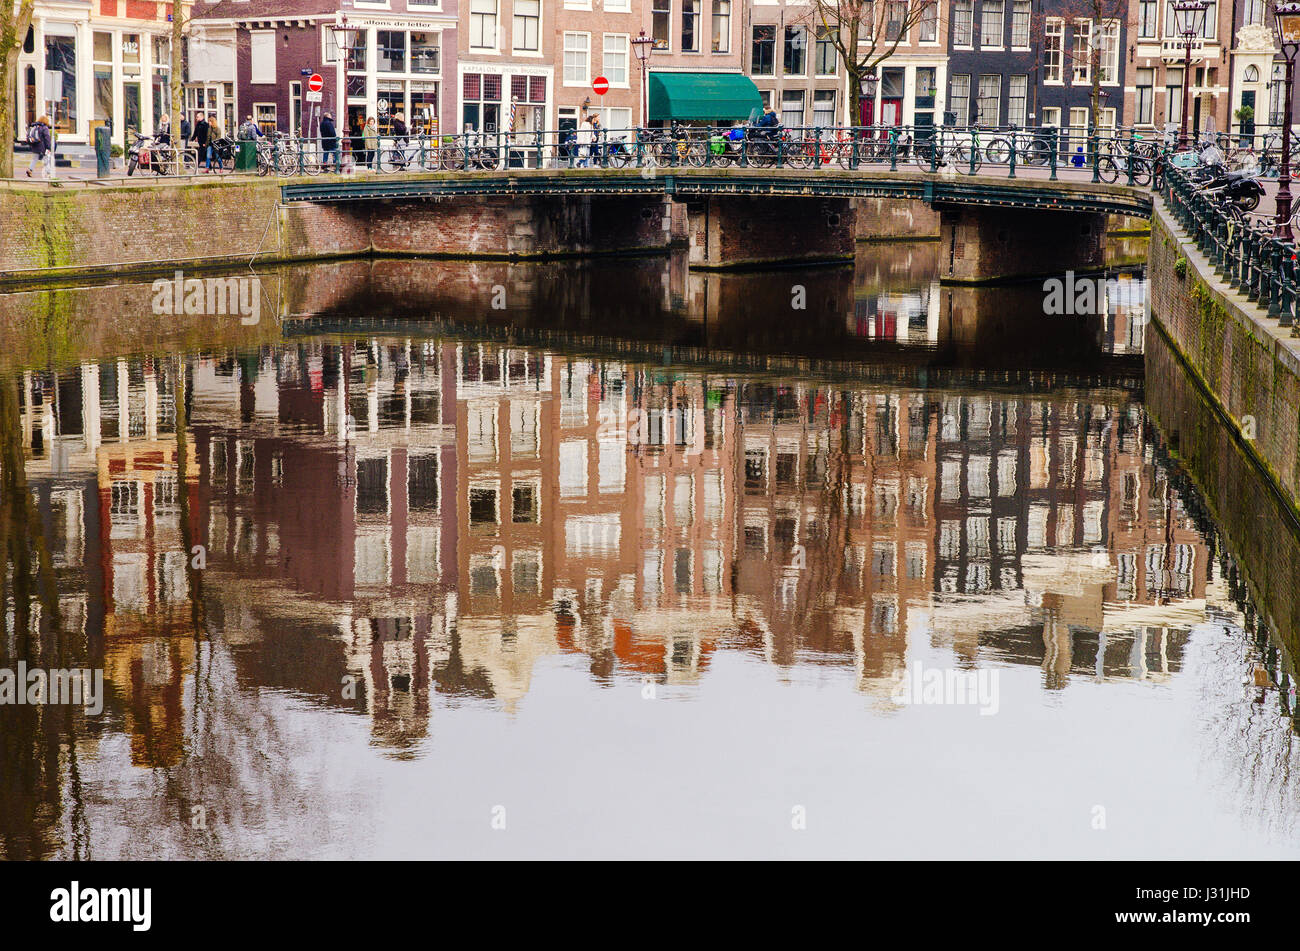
597, 141
329, 143
371, 137
586, 140
41, 141
201, 133
215, 132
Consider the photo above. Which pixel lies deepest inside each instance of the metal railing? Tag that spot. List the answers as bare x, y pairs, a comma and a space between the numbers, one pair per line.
1242, 250
1100, 156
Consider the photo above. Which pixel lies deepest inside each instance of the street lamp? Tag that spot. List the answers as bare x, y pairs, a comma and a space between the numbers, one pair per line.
643, 45
343, 43
1286, 20
1189, 20
868, 92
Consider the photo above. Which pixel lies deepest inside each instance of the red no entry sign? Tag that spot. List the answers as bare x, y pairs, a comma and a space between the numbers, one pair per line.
601, 85
315, 83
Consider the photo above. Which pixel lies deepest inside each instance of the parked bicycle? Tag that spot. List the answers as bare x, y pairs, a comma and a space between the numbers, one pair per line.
959, 151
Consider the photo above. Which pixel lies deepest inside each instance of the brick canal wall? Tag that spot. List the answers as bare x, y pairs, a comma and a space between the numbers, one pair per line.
892, 219
81, 228
154, 227
1256, 522
1248, 366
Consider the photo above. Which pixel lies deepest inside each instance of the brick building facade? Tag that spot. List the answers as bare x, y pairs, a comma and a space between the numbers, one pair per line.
99, 63
254, 57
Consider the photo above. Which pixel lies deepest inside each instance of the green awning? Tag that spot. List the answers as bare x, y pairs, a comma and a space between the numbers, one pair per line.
702, 96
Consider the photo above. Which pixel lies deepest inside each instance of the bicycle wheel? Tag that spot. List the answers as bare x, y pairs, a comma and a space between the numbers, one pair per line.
998, 152
1036, 154
1107, 170
695, 154
800, 154
451, 157
925, 158
1141, 172
391, 160
286, 163
967, 160
662, 154
619, 157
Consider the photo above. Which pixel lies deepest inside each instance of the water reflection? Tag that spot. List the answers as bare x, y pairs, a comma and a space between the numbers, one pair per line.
405, 530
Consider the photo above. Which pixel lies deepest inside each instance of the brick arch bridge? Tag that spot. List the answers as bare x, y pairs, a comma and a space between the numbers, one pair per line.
991, 227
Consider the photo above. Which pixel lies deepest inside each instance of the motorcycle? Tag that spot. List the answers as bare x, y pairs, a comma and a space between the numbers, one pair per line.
139, 154
1241, 188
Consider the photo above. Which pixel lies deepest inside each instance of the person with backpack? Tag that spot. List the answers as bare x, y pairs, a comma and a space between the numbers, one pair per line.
42, 144
249, 131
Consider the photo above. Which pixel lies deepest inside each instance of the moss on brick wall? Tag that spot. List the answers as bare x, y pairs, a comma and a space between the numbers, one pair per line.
1239, 366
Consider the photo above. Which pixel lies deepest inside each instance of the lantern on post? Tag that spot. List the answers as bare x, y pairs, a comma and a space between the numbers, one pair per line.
1286, 22
1189, 22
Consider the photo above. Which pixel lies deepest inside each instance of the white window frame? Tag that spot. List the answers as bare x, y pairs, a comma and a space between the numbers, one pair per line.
496, 27
256, 38
1108, 61
626, 51
1001, 41
521, 50
564, 58
713, 16
970, 24
997, 100
1029, 24
1081, 36
1054, 73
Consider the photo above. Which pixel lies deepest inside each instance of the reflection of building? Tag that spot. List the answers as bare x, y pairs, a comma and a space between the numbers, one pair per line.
388, 520
837, 520
1054, 499
103, 441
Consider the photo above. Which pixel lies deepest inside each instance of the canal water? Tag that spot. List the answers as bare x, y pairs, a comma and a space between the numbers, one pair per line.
615, 559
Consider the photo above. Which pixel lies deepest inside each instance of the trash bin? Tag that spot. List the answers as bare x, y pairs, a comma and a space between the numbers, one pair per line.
103, 151
246, 157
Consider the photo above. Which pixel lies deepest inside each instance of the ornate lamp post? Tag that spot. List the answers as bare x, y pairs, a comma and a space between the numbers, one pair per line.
344, 40
1189, 20
1286, 20
643, 45
870, 83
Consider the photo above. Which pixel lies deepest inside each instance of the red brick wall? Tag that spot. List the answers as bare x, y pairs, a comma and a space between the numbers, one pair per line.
726, 232
141, 10
122, 228
1238, 353
125, 227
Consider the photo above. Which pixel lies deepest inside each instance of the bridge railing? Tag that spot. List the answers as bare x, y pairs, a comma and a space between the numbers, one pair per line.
1242, 250
1122, 155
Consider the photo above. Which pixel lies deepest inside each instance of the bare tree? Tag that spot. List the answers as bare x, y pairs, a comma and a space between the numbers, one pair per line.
865, 33
15, 18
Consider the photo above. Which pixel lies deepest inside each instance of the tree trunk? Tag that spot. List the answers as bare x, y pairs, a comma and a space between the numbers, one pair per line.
177, 83
9, 81
854, 96
13, 31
